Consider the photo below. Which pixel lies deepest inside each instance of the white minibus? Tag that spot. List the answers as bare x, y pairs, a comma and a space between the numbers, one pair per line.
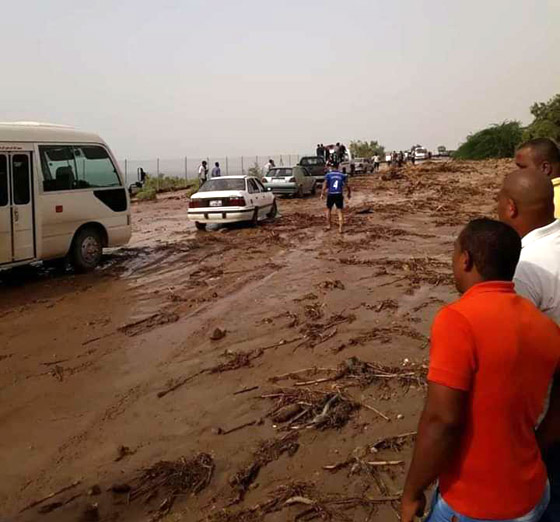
62, 196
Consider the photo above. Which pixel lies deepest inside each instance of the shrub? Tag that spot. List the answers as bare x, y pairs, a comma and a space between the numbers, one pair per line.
497, 141
146, 194
547, 120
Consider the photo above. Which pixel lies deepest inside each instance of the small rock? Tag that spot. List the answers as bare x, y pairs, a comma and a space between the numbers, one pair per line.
122, 452
94, 490
218, 334
400, 416
90, 513
217, 431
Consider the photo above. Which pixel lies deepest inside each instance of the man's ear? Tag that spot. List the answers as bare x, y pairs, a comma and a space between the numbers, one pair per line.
546, 167
512, 209
467, 261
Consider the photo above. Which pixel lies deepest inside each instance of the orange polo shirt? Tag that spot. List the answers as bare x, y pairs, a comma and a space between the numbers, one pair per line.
499, 348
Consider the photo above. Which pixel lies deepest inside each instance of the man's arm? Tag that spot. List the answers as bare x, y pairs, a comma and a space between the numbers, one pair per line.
324, 189
439, 432
548, 433
527, 282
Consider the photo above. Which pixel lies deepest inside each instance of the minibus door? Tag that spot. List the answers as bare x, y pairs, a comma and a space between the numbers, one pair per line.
5, 212
23, 240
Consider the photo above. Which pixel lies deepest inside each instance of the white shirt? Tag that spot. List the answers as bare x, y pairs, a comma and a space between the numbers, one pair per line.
537, 276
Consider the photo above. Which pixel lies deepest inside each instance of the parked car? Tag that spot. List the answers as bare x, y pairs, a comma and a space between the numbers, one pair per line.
316, 167
362, 165
442, 151
231, 199
420, 153
290, 181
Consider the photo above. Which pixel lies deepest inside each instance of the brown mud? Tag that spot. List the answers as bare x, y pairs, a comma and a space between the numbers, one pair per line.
271, 373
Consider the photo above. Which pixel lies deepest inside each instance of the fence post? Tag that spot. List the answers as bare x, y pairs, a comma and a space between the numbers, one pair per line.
186, 171
126, 171
227, 166
157, 175
242, 167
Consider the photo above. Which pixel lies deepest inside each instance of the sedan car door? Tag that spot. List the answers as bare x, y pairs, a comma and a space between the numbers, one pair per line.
254, 193
266, 198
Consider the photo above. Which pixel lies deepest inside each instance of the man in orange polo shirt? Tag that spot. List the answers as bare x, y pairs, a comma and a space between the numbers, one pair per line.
493, 355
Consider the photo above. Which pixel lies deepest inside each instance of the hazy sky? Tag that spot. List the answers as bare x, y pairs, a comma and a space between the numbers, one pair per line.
219, 77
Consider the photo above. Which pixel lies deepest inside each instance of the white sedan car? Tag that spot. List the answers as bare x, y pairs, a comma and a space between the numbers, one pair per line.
230, 199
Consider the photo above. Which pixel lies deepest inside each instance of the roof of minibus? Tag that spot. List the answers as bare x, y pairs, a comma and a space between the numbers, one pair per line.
25, 131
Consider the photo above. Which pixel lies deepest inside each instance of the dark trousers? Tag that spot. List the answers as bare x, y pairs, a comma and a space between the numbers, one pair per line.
552, 461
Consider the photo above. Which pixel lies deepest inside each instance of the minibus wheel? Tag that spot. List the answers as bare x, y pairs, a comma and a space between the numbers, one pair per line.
87, 250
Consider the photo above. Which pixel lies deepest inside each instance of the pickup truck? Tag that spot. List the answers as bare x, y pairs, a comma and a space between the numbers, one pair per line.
316, 167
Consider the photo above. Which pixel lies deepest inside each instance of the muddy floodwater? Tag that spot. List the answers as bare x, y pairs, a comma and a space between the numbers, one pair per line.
240, 374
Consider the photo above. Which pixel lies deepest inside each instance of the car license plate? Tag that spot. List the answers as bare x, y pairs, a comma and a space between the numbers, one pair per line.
277, 180
215, 202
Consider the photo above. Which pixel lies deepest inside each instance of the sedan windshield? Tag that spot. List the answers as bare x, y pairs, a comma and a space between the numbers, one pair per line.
219, 184
281, 173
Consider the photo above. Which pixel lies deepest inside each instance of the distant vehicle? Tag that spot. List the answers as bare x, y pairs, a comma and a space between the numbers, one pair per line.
316, 167
362, 165
290, 181
231, 199
420, 153
442, 151
62, 196
346, 157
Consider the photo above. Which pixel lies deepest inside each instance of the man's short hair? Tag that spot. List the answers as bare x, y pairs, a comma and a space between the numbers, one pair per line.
494, 248
545, 149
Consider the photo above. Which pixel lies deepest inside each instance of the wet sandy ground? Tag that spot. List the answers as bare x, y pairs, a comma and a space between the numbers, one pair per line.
277, 371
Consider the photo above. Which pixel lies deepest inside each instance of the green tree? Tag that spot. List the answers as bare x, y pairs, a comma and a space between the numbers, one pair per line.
364, 149
496, 141
547, 120
255, 171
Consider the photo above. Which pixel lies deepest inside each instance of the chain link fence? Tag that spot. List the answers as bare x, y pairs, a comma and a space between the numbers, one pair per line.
187, 168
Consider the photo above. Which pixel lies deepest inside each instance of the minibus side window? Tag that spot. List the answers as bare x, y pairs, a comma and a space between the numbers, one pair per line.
20, 175
3, 181
95, 168
69, 167
58, 166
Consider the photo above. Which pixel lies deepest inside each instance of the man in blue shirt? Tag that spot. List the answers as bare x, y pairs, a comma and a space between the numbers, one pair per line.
334, 184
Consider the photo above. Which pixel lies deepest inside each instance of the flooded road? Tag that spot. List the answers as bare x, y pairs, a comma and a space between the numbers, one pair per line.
209, 346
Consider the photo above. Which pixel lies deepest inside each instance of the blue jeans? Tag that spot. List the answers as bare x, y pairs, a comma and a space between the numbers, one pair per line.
442, 512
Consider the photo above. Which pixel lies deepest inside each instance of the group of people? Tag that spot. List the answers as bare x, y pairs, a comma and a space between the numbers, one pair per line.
396, 159
489, 433
203, 172
333, 155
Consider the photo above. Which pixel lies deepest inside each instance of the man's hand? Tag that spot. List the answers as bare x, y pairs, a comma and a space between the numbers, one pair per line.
412, 508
